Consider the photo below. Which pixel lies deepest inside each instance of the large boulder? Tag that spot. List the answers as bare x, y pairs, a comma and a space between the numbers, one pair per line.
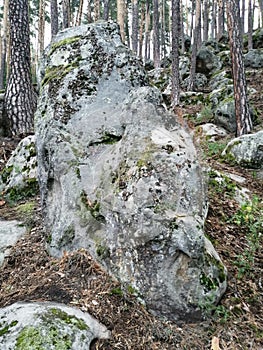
206, 61
119, 176
254, 58
246, 150
48, 326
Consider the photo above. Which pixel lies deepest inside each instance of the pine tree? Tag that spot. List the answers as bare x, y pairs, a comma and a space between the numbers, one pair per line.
20, 101
243, 118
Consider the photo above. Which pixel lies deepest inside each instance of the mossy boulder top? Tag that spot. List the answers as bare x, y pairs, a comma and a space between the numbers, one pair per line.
119, 176
47, 326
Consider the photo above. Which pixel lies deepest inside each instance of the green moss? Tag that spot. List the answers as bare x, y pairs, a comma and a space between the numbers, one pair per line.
4, 329
208, 283
33, 338
6, 173
64, 42
58, 72
92, 207
17, 193
68, 236
69, 319
102, 251
116, 291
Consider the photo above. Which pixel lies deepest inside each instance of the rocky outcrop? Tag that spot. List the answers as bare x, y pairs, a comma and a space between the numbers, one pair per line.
246, 150
119, 176
10, 232
19, 176
48, 326
207, 62
254, 58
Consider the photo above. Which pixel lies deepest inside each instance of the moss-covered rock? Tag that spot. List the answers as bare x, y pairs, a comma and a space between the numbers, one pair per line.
46, 326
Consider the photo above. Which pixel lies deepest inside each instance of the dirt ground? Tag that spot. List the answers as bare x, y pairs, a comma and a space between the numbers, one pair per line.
29, 273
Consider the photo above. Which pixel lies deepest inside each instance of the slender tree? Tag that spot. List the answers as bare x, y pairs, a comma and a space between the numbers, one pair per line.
41, 26
96, 10
135, 24
106, 10
4, 42
147, 30
205, 20
156, 34
243, 118
195, 45
66, 13
79, 13
221, 19
250, 25
176, 24
20, 101
121, 17
54, 17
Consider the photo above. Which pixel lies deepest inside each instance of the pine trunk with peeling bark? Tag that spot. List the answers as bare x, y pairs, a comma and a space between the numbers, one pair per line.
20, 101
243, 117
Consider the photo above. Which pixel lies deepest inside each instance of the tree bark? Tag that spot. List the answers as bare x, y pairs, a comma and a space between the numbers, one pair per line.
4, 42
54, 17
79, 13
66, 13
121, 18
41, 27
156, 35
195, 45
176, 24
20, 101
205, 20
135, 14
250, 25
243, 118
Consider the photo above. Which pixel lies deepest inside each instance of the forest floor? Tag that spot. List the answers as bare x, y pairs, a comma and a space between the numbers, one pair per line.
30, 273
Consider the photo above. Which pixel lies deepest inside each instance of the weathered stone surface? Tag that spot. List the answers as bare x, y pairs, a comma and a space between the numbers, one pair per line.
246, 150
47, 326
10, 232
254, 58
211, 131
119, 176
207, 61
20, 172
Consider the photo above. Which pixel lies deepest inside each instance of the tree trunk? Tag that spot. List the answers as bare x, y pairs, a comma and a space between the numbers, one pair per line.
41, 27
147, 31
260, 4
142, 25
66, 13
135, 14
214, 20
221, 19
97, 10
4, 41
195, 45
106, 10
250, 25
156, 35
242, 24
79, 13
121, 18
205, 20
176, 23
54, 17
243, 118
20, 101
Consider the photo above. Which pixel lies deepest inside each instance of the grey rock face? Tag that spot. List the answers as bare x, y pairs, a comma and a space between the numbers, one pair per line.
48, 326
10, 232
254, 58
246, 150
120, 177
207, 61
20, 172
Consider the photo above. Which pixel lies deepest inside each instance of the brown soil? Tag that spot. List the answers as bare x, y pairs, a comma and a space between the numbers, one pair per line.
30, 273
